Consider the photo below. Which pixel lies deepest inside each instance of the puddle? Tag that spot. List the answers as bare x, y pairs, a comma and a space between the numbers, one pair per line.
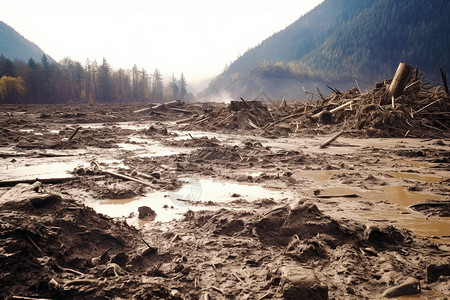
122, 125
404, 217
316, 175
39, 170
151, 148
412, 163
194, 195
416, 176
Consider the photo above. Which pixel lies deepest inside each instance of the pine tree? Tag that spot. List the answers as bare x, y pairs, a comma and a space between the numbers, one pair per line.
183, 85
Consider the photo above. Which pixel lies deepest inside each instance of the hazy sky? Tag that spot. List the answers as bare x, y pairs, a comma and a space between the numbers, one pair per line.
194, 37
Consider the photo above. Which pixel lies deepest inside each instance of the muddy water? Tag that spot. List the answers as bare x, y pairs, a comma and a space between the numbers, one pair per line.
143, 147
194, 195
416, 176
439, 228
31, 169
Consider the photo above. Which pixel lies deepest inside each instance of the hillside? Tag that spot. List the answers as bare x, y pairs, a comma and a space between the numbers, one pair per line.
340, 41
15, 46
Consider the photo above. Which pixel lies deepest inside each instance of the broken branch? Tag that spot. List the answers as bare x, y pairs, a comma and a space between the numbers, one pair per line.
330, 140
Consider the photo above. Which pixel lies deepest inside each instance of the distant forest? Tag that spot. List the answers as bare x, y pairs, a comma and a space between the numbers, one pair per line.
70, 81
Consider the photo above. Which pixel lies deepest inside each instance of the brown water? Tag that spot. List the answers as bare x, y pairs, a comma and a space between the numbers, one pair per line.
194, 195
417, 176
403, 216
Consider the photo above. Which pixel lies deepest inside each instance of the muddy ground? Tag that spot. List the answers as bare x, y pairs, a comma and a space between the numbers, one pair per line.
364, 218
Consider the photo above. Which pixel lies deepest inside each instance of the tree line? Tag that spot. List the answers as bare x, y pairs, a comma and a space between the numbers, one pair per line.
70, 81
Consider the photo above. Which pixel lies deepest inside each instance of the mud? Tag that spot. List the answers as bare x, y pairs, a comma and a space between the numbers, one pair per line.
240, 213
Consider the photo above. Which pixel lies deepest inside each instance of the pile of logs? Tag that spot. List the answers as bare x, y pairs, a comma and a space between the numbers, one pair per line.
401, 107
236, 115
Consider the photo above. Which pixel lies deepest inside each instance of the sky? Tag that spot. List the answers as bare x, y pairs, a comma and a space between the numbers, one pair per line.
197, 38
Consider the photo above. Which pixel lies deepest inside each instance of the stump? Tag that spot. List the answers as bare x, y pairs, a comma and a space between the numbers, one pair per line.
402, 77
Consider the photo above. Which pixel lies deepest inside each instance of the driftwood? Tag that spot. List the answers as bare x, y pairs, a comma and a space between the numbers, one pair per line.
341, 107
421, 110
161, 107
330, 140
182, 110
95, 165
74, 133
125, 177
142, 110
245, 102
15, 297
444, 81
326, 117
402, 77
320, 94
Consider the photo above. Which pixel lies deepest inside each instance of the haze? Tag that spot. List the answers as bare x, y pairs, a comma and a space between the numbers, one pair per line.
197, 38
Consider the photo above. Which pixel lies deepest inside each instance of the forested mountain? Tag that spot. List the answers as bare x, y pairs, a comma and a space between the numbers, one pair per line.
14, 46
340, 41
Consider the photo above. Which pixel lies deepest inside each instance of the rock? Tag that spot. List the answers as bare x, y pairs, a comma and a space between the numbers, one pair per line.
175, 294
150, 251
146, 213
301, 283
23, 193
435, 271
410, 287
381, 237
157, 175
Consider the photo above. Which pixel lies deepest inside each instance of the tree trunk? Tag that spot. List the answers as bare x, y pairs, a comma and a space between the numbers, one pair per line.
402, 77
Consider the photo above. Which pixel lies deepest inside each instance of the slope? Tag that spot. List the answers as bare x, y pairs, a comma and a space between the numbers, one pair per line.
343, 40
15, 46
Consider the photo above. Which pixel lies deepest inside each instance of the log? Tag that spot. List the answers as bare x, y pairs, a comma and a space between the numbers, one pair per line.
161, 106
182, 110
444, 81
245, 102
402, 77
75, 132
142, 110
15, 297
96, 166
283, 103
125, 177
327, 142
320, 94
341, 107
324, 117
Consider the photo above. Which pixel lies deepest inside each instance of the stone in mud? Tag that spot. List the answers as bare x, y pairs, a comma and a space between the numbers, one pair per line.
301, 283
24, 193
410, 287
302, 219
381, 237
146, 213
435, 271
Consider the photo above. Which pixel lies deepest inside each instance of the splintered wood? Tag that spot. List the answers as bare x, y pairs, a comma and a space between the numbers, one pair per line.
404, 106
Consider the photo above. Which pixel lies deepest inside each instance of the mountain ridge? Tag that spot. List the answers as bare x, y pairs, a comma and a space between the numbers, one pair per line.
341, 41
15, 46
